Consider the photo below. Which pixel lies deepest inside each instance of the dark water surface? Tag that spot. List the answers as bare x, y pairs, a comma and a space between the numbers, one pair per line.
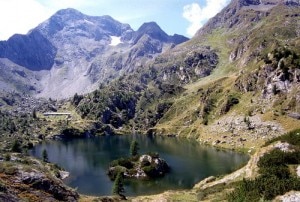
87, 161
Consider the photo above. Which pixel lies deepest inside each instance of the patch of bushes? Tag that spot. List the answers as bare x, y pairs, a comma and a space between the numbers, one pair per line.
2, 187
71, 133
208, 107
16, 147
231, 101
113, 173
124, 162
292, 137
150, 171
263, 188
275, 178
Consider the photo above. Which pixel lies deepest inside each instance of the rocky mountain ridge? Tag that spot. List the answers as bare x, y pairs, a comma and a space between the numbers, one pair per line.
73, 53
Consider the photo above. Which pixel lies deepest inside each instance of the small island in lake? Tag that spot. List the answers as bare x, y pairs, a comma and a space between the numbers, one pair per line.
138, 166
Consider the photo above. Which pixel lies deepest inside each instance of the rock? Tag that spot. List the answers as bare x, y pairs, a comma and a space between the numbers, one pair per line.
63, 174
283, 146
36, 183
291, 196
294, 115
145, 158
298, 171
209, 179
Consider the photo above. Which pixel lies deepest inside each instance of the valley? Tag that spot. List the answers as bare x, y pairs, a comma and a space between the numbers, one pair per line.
235, 85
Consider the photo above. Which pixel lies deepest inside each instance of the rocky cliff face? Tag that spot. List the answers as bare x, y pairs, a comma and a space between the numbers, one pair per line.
33, 51
74, 53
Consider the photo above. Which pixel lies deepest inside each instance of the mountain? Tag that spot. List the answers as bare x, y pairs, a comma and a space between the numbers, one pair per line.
238, 78
74, 53
252, 94
235, 85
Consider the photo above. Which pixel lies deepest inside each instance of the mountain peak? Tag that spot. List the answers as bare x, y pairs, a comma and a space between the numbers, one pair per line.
150, 25
71, 12
68, 11
153, 30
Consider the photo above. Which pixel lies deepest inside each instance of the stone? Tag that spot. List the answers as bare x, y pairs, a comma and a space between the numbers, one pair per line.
145, 158
283, 146
291, 196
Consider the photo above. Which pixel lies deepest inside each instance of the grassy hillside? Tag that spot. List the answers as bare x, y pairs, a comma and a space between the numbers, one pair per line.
253, 94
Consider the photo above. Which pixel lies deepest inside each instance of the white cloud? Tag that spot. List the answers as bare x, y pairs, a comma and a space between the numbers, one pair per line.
197, 16
19, 16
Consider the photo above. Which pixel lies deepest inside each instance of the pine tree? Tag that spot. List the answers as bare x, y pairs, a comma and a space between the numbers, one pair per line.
45, 156
118, 186
134, 147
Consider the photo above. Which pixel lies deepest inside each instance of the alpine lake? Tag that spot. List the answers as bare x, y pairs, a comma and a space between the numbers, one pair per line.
87, 160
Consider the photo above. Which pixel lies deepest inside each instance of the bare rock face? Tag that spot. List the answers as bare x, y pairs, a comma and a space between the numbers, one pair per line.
19, 182
33, 51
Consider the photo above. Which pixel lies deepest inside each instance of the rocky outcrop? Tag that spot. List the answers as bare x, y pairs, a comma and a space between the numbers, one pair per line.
21, 182
195, 63
145, 166
236, 130
33, 51
291, 196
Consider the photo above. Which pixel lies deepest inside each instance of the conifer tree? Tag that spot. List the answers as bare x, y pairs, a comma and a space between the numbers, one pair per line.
134, 147
45, 156
118, 186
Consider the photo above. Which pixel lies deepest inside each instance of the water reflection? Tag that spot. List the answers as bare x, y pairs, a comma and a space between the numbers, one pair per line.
87, 161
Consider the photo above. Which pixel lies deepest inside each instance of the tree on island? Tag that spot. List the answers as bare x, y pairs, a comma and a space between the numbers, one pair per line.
134, 147
118, 186
45, 156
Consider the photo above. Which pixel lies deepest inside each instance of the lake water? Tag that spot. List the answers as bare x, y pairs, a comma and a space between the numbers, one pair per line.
87, 160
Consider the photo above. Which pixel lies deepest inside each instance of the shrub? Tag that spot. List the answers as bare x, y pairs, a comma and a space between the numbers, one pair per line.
124, 162
275, 178
150, 171
231, 101
16, 147
7, 157
2, 187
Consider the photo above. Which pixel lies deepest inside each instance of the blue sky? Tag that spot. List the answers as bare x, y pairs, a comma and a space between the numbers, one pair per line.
173, 16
